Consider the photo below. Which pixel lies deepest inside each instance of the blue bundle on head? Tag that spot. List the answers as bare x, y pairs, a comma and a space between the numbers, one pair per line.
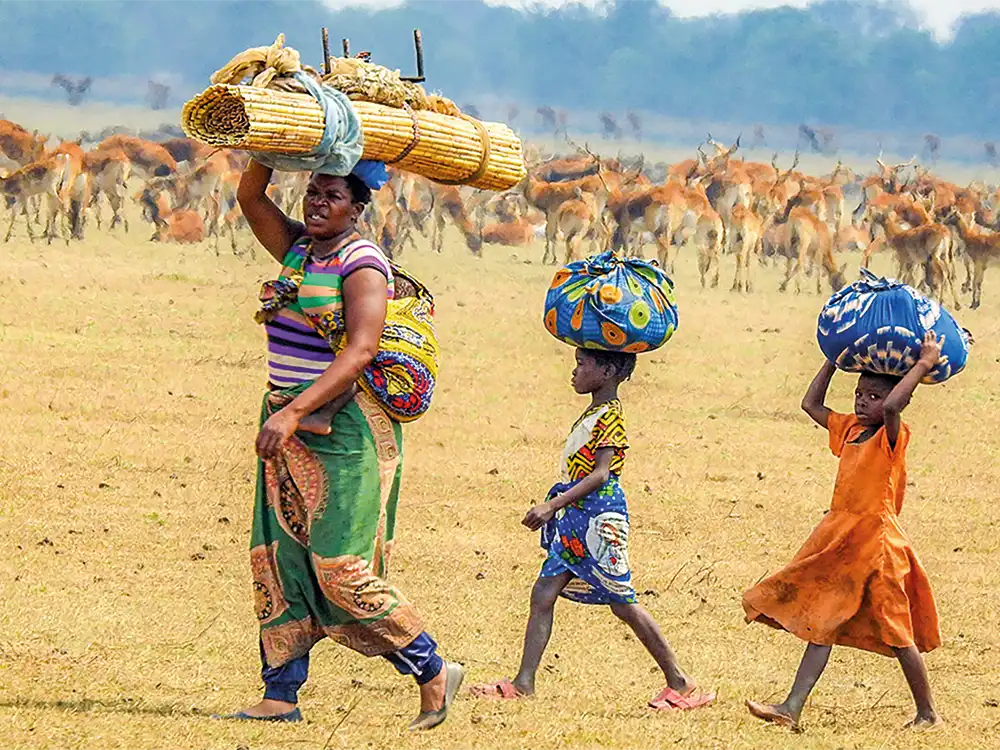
876, 325
611, 303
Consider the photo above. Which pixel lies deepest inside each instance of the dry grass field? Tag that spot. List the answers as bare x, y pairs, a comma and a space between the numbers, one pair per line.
131, 380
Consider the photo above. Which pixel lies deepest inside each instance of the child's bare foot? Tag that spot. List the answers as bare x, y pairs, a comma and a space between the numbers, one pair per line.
924, 721
777, 714
316, 423
320, 421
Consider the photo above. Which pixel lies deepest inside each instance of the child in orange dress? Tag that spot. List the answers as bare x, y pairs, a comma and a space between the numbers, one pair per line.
856, 581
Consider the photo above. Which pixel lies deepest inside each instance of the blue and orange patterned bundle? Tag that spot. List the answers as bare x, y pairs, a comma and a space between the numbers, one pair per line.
611, 303
877, 324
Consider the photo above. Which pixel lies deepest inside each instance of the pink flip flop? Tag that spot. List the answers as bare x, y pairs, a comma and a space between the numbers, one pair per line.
670, 700
499, 690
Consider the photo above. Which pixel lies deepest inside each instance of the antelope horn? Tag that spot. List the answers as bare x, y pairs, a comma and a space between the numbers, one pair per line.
795, 163
639, 165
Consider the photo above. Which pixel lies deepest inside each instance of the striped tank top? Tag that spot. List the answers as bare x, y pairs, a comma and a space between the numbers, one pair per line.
296, 352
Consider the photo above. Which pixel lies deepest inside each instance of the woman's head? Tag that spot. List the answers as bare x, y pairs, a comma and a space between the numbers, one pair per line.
596, 369
870, 395
332, 205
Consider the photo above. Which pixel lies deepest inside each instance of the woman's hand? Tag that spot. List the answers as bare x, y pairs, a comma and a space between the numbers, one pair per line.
538, 516
276, 430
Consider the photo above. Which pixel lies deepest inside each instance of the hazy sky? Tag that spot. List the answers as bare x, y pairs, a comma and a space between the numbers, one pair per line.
938, 14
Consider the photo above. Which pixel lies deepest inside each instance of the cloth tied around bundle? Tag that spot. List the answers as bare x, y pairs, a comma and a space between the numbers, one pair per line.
340, 150
611, 303
877, 325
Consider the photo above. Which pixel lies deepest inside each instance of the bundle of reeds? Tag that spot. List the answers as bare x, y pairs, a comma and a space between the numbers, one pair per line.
443, 148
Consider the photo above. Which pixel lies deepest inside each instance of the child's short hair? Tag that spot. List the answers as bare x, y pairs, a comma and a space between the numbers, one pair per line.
884, 379
622, 362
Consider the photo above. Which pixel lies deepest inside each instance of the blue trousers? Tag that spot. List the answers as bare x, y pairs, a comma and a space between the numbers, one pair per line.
419, 659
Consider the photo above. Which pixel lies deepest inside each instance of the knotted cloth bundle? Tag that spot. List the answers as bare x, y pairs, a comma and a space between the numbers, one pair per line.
876, 324
404, 371
611, 303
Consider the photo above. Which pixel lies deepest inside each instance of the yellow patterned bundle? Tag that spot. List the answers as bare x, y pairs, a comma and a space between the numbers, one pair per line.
402, 375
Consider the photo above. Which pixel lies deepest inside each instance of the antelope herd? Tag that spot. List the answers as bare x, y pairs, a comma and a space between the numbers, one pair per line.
714, 203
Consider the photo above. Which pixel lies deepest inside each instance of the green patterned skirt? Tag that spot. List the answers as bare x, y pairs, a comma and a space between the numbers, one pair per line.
322, 532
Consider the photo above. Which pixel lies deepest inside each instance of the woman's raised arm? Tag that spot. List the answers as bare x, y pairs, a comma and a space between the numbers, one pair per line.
269, 224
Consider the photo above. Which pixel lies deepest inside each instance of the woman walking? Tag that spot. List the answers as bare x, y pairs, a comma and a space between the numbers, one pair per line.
326, 496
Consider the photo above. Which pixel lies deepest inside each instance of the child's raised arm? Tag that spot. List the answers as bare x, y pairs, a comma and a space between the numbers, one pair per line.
899, 397
813, 402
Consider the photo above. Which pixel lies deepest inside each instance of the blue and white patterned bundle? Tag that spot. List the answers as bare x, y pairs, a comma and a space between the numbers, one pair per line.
876, 325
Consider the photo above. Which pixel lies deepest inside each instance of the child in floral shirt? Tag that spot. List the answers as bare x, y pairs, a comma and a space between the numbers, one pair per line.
585, 528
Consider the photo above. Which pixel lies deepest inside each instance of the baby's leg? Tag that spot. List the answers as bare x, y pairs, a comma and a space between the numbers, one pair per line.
648, 633
810, 668
319, 422
536, 635
916, 677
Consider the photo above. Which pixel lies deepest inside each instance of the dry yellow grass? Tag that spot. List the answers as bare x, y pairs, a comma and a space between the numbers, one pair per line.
132, 374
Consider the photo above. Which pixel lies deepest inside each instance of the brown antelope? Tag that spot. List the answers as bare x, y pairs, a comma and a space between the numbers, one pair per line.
43, 178
389, 224
73, 185
171, 225
448, 202
549, 196
888, 176
187, 150
148, 159
727, 183
575, 168
18, 147
981, 247
517, 233
289, 191
108, 172
576, 217
852, 238
809, 244
200, 189
672, 213
746, 232
926, 246
513, 227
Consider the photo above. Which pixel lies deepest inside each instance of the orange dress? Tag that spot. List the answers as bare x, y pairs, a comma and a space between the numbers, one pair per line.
856, 581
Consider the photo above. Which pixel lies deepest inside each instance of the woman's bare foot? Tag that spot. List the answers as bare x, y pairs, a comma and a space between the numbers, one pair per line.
778, 714
432, 693
269, 707
924, 721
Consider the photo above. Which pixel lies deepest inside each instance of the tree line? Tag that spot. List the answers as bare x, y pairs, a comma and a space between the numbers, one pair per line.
840, 63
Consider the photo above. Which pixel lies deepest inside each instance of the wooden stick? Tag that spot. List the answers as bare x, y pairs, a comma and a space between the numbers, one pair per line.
326, 52
418, 45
